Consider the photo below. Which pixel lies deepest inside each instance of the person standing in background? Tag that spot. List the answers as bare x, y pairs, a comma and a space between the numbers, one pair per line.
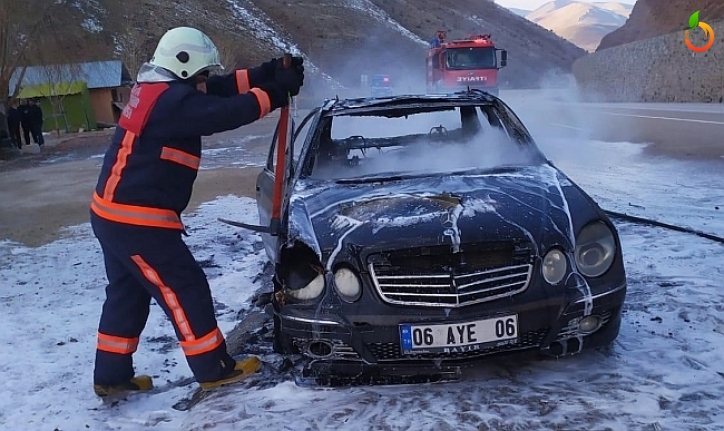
14, 123
25, 120
35, 112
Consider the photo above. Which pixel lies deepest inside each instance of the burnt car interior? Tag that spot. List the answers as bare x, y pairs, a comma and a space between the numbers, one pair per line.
370, 143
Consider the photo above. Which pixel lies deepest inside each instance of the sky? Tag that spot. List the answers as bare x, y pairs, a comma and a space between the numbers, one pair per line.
534, 4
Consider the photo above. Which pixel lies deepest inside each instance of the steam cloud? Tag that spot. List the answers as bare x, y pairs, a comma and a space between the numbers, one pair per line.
489, 148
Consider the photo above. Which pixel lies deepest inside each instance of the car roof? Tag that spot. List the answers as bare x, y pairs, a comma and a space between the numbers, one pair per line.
348, 106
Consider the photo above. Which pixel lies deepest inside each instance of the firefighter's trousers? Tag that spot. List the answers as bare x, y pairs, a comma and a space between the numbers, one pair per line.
144, 263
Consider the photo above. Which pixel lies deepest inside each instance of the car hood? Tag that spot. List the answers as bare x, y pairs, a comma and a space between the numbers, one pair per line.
532, 205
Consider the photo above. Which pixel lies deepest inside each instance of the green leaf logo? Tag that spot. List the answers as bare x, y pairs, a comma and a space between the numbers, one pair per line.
694, 20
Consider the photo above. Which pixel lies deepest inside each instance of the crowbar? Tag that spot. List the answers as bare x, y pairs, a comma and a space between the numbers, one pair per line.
279, 171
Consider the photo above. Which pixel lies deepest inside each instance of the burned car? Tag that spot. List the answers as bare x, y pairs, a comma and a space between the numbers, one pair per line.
418, 234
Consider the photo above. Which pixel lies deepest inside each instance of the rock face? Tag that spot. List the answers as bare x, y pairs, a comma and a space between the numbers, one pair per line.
660, 69
651, 18
342, 38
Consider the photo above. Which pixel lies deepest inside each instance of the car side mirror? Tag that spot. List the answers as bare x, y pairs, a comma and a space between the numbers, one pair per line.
503, 58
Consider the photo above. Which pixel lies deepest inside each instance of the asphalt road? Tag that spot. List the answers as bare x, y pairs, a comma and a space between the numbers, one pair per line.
679, 130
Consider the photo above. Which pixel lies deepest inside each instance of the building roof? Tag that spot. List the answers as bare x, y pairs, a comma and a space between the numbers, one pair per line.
96, 74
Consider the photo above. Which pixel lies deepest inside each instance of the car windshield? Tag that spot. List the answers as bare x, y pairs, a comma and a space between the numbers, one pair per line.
471, 58
418, 144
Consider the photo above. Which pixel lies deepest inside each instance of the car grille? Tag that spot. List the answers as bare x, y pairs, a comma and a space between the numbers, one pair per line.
435, 277
393, 352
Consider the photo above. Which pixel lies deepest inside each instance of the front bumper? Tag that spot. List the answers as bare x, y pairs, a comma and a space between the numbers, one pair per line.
349, 343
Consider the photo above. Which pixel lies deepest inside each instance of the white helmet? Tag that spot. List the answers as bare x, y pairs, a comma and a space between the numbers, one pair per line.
185, 52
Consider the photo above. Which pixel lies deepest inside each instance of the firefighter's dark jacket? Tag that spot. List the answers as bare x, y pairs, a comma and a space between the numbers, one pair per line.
149, 170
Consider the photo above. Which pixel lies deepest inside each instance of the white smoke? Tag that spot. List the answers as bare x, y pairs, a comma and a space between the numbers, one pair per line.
430, 152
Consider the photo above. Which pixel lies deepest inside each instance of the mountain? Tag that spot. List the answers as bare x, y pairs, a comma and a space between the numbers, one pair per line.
520, 12
340, 39
584, 24
651, 18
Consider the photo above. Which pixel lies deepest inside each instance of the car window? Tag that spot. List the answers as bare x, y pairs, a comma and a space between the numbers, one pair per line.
301, 131
419, 143
272, 158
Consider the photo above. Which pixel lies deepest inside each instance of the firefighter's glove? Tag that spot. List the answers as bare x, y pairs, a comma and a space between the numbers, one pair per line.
290, 80
278, 96
266, 71
286, 83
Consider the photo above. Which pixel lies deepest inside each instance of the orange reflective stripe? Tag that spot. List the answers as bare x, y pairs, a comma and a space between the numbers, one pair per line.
263, 99
242, 81
135, 215
114, 344
115, 177
180, 157
169, 297
204, 344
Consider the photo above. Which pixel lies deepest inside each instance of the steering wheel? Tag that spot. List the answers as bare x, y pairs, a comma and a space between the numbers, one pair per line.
357, 138
354, 138
438, 131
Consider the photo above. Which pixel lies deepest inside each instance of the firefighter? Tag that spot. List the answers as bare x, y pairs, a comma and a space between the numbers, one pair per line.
144, 185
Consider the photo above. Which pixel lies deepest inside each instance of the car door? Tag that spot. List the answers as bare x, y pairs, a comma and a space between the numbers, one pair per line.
265, 180
265, 197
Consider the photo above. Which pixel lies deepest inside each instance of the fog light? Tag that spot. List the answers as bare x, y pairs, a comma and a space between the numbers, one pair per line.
589, 324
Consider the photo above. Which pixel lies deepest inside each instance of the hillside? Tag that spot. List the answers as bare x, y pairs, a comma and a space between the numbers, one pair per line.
584, 24
341, 39
521, 12
651, 18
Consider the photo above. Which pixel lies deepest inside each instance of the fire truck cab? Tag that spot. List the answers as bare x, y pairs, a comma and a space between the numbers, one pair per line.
467, 63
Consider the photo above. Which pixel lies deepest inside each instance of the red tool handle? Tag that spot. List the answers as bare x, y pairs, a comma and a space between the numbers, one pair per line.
279, 171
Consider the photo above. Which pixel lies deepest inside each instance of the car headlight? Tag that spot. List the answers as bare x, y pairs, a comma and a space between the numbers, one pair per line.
595, 249
554, 266
310, 291
347, 284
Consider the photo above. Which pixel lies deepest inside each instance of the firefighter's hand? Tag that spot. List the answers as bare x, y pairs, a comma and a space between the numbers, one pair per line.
291, 79
268, 70
286, 83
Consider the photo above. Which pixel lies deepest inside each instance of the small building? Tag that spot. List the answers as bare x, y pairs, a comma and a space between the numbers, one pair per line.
108, 84
66, 105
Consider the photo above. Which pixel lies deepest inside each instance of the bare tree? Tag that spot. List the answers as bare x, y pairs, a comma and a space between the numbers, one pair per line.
20, 25
59, 81
228, 51
133, 48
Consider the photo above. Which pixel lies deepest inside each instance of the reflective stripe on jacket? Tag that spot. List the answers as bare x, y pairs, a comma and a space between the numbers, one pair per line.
150, 167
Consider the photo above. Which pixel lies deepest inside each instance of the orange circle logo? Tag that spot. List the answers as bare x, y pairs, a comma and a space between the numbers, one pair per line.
708, 31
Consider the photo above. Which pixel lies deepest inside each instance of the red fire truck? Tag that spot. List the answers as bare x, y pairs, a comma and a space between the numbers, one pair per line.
468, 63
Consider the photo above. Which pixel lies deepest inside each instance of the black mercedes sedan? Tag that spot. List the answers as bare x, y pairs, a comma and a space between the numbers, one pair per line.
421, 233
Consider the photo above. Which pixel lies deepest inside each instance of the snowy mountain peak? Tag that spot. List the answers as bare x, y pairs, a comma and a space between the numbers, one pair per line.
584, 24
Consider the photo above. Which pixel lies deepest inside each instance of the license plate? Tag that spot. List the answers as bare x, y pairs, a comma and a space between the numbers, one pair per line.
458, 337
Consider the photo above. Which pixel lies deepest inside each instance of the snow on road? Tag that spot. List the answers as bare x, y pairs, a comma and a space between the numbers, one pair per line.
50, 302
663, 372
620, 178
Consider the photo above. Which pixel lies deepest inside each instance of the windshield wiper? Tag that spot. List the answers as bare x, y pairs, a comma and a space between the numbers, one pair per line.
486, 171
375, 179
406, 176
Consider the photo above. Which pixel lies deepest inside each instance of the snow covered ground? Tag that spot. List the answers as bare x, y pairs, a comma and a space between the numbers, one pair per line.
665, 371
